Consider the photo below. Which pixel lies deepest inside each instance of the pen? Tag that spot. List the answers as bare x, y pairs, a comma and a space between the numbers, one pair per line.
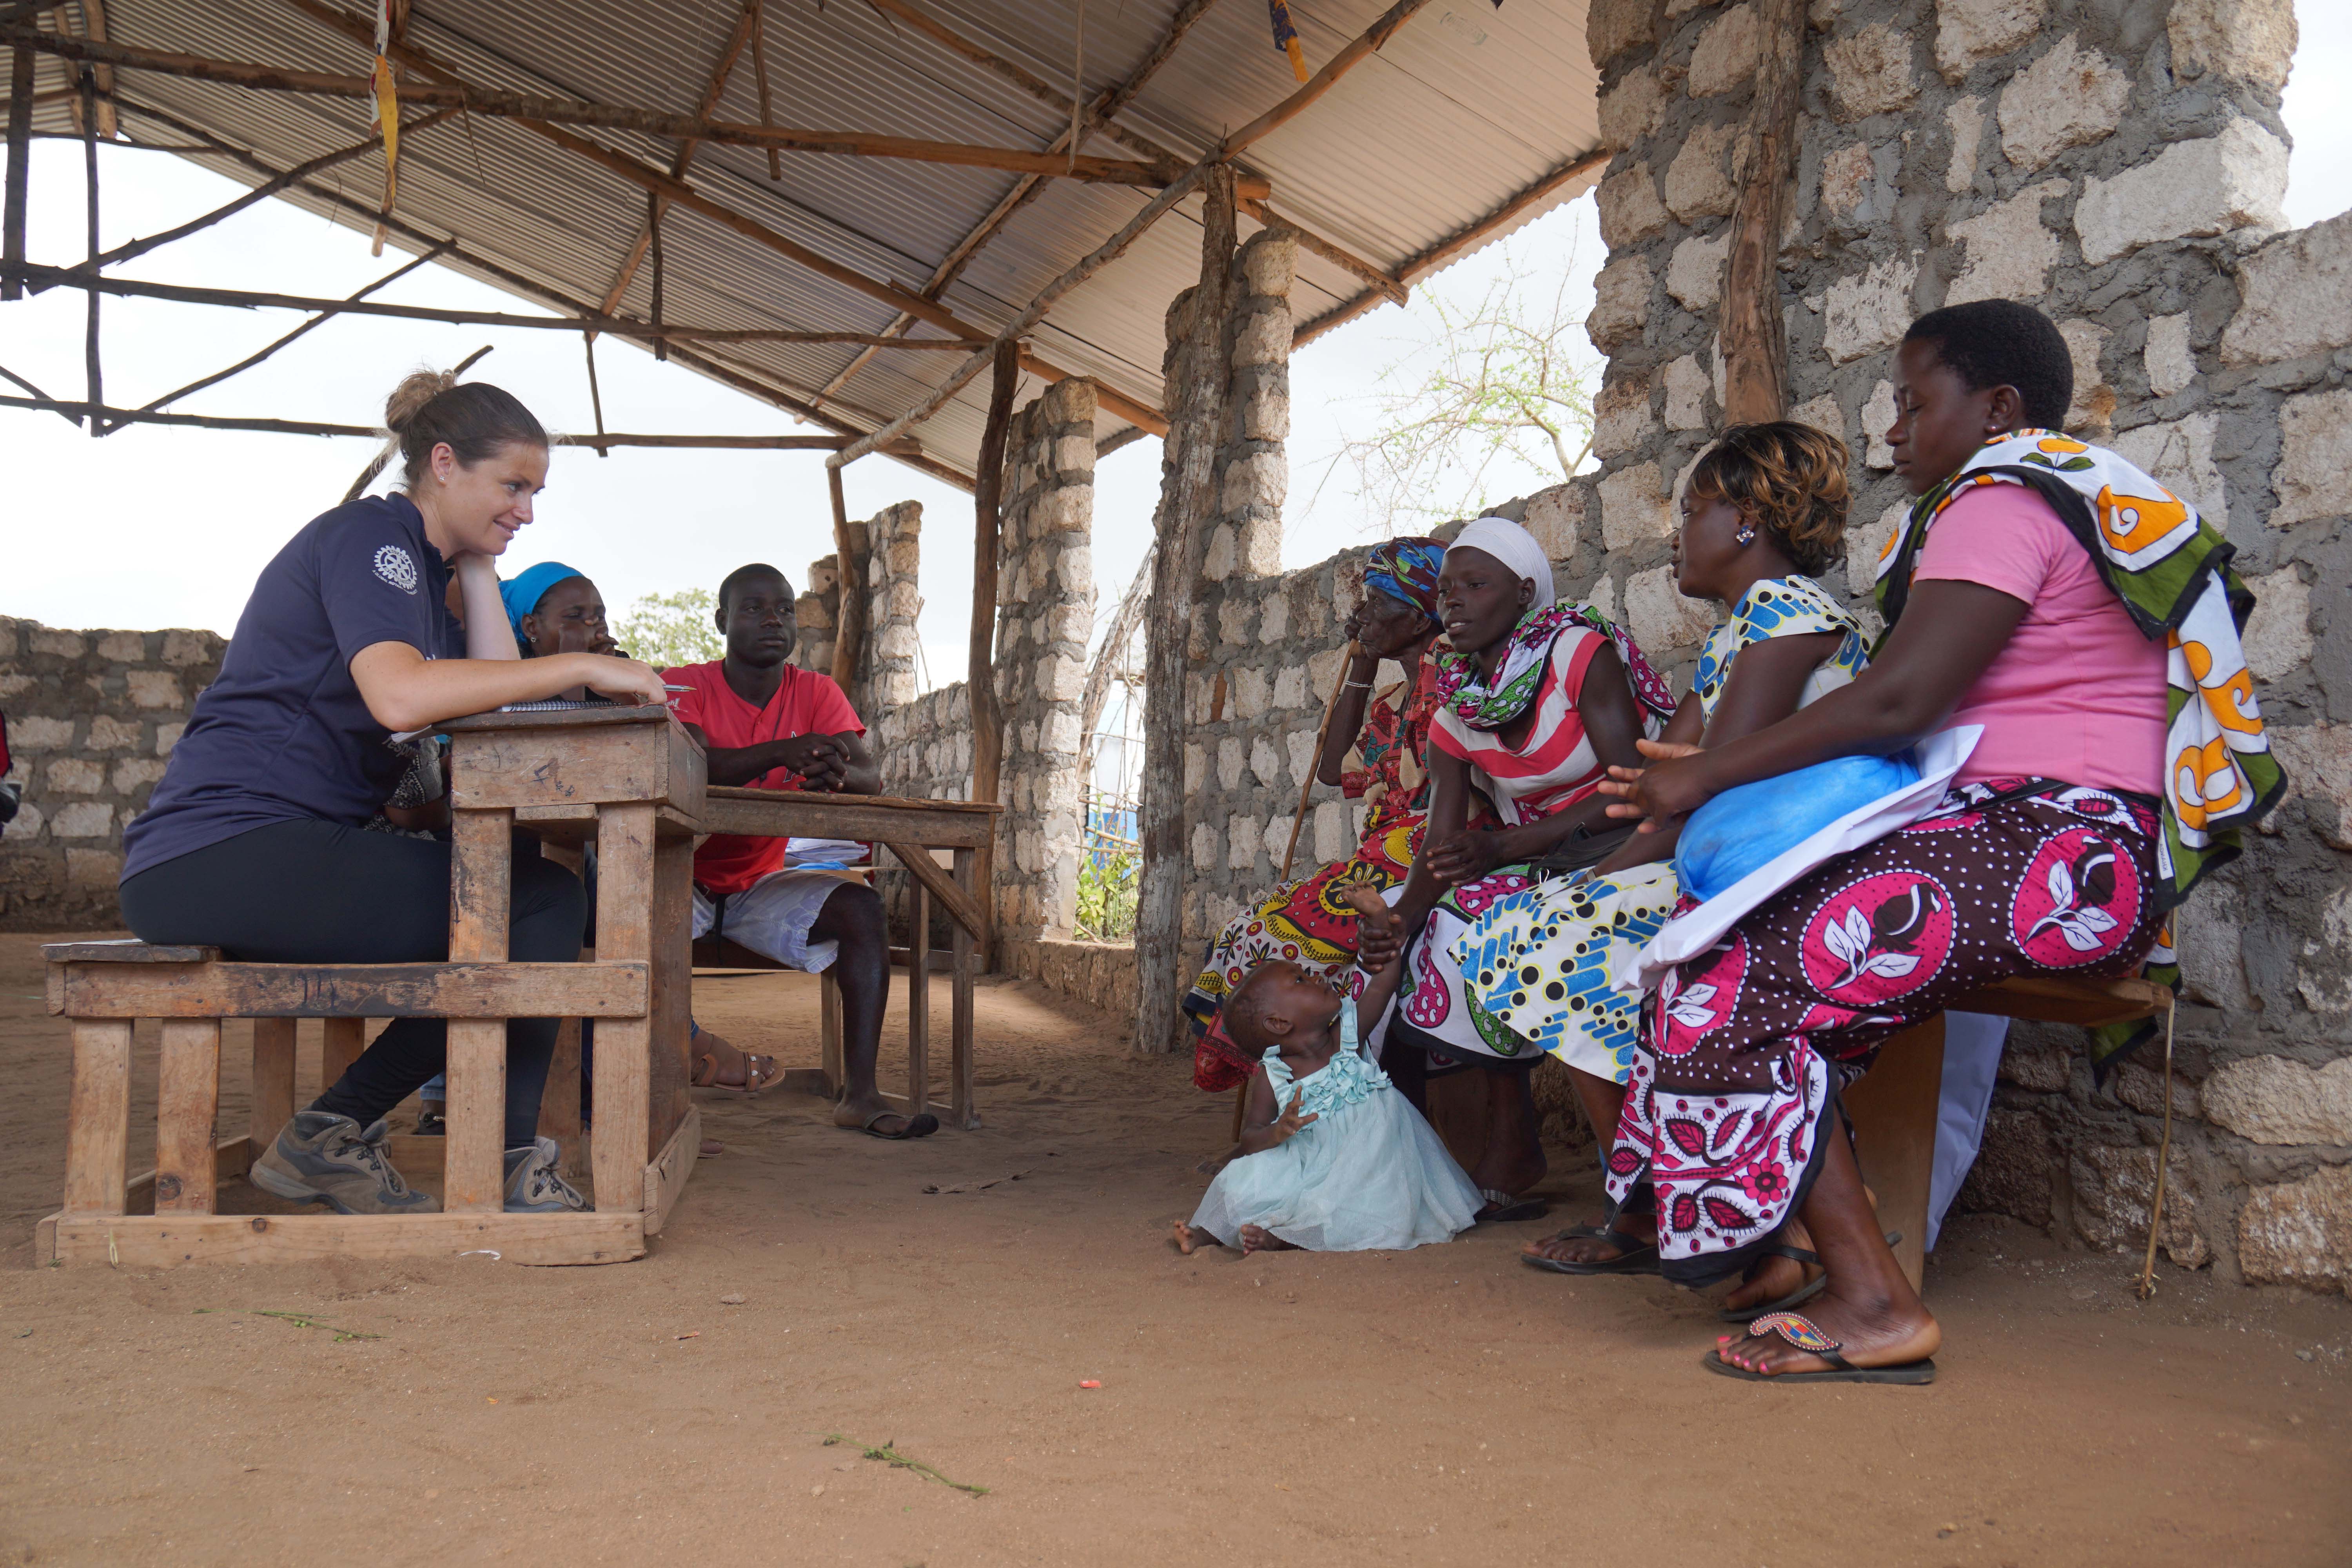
670, 687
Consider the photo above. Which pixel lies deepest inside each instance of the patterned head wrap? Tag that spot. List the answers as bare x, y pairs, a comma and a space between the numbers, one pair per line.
1406, 570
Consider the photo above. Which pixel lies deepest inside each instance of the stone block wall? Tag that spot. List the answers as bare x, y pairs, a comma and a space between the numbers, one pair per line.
894, 600
2117, 163
91, 718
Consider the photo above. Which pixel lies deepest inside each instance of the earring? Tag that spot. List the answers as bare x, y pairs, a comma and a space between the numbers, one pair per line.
1745, 537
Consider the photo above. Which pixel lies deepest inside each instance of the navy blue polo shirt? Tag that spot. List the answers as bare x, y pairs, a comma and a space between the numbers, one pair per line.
283, 733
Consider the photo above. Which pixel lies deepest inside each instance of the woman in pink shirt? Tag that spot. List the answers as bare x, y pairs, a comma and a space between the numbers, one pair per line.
2042, 859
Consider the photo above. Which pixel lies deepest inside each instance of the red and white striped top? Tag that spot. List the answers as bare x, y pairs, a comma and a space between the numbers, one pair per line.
1555, 767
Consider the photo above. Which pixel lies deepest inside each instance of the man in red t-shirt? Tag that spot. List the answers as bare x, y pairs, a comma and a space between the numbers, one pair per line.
767, 725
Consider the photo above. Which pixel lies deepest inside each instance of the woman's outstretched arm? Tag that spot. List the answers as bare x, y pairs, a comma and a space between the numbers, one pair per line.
405, 690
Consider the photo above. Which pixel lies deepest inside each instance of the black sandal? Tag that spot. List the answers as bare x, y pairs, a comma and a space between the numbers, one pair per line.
921, 1126
1796, 1297
1635, 1256
1802, 1332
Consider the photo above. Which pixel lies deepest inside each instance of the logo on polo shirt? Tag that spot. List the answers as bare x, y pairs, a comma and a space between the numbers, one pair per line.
397, 567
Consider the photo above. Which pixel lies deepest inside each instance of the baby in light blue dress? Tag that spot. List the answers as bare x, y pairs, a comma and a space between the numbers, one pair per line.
1333, 1158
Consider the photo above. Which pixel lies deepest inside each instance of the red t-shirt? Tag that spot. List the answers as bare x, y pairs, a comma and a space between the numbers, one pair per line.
805, 704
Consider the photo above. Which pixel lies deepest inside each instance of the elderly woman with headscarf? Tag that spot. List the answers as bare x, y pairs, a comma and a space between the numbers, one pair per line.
1536, 697
1372, 751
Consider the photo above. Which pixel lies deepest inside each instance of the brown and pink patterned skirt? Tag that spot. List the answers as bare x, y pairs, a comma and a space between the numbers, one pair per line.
1742, 1047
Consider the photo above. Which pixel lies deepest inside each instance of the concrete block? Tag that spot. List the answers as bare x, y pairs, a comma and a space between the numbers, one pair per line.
66, 645
1060, 509
28, 735
2179, 454
1261, 478
1061, 679
1870, 73
1074, 455
93, 868
1270, 262
2192, 189
26, 825
2113, 1192
1060, 733
1218, 560
1252, 694
1964, 117
1847, 177
1869, 310
15, 686
1332, 840
1629, 207
108, 733
1865, 545
1620, 303
1274, 625
1659, 617
1068, 402
1556, 518
76, 775
1822, 413
2068, 98
1613, 26
1686, 388
1878, 417
155, 689
1299, 748
1695, 273
1229, 762
122, 647
1265, 413
2251, 40
182, 648
2318, 762
1263, 337
2290, 297
1621, 420
1634, 507
1629, 109
2093, 410
82, 819
136, 774
1724, 55
2009, 250
2277, 638
1323, 668
2299, 1233
2171, 364
1266, 763
1242, 836
1258, 545
1290, 685
1968, 31
2314, 454
1698, 184
2270, 1100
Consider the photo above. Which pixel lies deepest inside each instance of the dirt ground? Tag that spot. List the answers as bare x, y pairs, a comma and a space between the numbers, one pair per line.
951, 1297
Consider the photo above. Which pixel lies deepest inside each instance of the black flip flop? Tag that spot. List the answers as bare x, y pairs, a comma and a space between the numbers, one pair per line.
1802, 1332
1502, 1209
1796, 1297
1635, 1256
921, 1126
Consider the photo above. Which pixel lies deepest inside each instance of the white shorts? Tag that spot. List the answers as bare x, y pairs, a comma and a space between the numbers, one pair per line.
772, 917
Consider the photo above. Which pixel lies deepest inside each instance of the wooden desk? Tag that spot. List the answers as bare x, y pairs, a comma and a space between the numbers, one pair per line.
909, 829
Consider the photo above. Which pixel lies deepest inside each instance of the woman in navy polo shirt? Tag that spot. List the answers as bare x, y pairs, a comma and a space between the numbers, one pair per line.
253, 842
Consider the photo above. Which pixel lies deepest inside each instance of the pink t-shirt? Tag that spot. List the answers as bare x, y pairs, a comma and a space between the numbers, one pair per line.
2078, 693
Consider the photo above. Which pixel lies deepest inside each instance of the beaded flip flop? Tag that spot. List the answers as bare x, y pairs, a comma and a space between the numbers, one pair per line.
1806, 1335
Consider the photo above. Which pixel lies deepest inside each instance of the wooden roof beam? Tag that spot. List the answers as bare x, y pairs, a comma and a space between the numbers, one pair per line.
499, 104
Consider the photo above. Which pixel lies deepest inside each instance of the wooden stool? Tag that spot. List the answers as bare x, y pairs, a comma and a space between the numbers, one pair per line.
1893, 1105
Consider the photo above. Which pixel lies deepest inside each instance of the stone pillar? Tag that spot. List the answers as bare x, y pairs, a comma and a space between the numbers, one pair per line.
1045, 599
814, 615
1253, 470
895, 599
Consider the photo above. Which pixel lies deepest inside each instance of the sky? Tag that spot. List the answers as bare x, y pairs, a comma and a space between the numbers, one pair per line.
158, 527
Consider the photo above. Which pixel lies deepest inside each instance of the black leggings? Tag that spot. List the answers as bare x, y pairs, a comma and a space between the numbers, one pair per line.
312, 892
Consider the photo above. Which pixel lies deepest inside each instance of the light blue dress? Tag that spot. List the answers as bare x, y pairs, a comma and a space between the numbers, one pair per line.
1367, 1173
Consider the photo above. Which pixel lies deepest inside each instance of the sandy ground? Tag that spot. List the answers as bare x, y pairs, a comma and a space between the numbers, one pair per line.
1438, 1406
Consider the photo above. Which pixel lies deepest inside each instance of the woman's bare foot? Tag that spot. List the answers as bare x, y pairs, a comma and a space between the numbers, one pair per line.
1872, 1331
1257, 1239
718, 1064
1775, 1278
1188, 1240
873, 1114
1571, 1247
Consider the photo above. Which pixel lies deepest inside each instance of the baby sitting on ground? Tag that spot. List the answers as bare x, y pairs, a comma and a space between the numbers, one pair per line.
1346, 1164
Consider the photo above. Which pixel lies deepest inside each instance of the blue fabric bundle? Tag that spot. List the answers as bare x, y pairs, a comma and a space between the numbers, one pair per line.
1753, 824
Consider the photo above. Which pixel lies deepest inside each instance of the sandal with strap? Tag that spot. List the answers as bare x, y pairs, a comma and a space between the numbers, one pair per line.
1803, 1293
1635, 1256
758, 1071
1502, 1209
1806, 1335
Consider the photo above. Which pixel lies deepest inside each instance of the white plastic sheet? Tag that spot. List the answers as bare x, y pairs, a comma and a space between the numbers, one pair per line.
1940, 757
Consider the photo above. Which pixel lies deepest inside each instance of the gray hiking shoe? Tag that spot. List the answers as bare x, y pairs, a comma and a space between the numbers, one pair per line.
322, 1158
532, 1184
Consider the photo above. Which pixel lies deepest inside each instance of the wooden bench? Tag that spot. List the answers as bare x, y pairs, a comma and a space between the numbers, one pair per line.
1893, 1106
630, 777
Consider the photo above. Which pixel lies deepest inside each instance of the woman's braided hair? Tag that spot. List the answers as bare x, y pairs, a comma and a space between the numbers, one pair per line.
1788, 480
476, 419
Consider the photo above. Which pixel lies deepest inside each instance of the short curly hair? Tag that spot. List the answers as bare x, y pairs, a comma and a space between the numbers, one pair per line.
1789, 480
2001, 342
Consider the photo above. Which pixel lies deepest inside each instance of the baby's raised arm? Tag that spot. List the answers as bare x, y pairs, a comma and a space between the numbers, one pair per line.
1380, 947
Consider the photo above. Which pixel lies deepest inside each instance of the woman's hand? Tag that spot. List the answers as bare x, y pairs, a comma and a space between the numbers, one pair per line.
1292, 1119
1464, 857
622, 679
1670, 787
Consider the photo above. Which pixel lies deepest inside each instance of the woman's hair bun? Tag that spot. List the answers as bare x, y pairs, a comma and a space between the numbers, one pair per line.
415, 390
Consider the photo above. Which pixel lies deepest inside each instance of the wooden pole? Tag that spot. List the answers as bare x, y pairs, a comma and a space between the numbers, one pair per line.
1754, 342
1086, 267
96, 397
760, 80
1331, 705
81, 277
595, 396
653, 232
849, 615
20, 165
980, 681
1322, 81
1187, 501
315, 428
496, 103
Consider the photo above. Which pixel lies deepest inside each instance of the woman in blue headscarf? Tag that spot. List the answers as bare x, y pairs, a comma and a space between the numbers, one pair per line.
1372, 751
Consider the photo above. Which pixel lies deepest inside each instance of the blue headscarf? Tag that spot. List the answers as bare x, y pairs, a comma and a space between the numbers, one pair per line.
523, 591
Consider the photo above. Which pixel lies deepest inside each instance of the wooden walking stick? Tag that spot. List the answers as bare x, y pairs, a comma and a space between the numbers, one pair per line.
1330, 707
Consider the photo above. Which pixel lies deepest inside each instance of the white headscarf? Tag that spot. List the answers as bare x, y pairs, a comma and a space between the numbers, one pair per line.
1512, 545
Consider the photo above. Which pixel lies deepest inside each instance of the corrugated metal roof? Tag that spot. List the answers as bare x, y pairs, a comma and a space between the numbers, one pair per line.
1467, 105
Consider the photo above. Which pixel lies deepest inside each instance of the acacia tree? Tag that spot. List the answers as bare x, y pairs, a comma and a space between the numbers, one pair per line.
1504, 384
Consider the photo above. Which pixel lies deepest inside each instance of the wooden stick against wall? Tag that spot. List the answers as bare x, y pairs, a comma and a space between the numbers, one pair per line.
849, 616
1331, 705
1755, 346
987, 722
20, 164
